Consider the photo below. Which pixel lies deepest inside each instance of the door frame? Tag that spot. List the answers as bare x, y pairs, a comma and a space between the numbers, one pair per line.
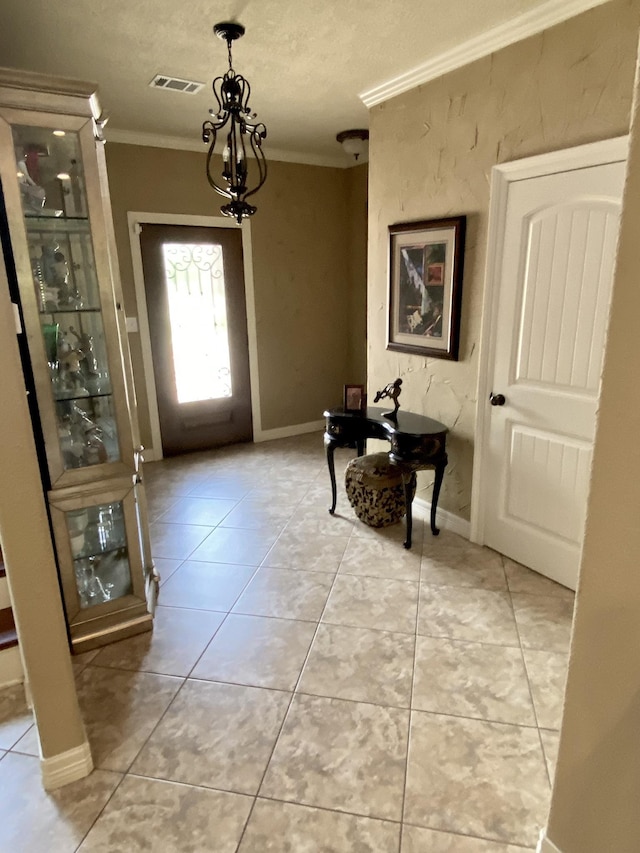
135, 219
566, 160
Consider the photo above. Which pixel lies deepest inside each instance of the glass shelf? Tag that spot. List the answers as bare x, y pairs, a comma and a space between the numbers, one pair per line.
79, 397
51, 178
98, 540
44, 312
87, 431
56, 224
58, 217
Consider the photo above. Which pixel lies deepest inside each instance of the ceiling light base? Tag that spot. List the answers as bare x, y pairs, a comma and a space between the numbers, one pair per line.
228, 31
354, 141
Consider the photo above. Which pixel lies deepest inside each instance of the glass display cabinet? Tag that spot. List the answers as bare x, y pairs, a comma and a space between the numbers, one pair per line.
61, 244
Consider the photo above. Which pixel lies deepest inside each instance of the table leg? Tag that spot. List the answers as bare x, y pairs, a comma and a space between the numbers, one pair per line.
436, 491
408, 484
332, 474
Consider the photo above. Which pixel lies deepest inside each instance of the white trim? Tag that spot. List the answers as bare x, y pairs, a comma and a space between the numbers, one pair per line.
444, 519
528, 24
546, 846
581, 157
11, 671
287, 432
66, 767
613, 150
135, 218
179, 143
252, 327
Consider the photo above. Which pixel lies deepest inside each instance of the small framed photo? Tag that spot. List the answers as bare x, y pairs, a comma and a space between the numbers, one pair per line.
425, 286
355, 399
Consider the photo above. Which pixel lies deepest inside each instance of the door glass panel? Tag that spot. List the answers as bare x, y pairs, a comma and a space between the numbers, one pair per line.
50, 176
98, 541
198, 315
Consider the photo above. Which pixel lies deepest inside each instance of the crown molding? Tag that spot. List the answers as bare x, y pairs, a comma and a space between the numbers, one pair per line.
528, 24
180, 143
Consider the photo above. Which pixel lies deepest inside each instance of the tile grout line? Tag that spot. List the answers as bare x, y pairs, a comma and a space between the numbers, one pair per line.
527, 676
286, 714
413, 679
102, 810
227, 614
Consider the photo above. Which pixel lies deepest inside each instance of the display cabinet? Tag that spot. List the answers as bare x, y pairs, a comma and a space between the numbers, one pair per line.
60, 243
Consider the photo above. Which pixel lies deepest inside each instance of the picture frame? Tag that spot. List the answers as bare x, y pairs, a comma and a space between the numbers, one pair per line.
355, 398
426, 262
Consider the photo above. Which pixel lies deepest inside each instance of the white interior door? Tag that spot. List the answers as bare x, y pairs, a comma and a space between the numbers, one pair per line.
555, 270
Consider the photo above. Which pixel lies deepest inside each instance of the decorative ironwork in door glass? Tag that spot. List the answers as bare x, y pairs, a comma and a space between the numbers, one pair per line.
198, 315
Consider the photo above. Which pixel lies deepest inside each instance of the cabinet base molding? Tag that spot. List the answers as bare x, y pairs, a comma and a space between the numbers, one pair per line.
66, 767
105, 635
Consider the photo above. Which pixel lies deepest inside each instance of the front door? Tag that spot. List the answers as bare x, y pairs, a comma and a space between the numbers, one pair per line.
555, 273
194, 287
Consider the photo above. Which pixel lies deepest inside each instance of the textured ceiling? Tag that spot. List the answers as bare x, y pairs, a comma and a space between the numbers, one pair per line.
307, 60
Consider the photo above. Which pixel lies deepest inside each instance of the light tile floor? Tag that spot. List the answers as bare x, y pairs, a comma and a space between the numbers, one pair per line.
309, 685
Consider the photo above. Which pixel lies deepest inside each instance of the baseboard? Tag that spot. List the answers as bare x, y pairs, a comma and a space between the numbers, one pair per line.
444, 519
150, 455
546, 846
66, 767
287, 432
11, 671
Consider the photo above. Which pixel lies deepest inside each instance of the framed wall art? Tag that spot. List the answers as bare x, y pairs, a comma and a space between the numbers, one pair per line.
355, 398
425, 286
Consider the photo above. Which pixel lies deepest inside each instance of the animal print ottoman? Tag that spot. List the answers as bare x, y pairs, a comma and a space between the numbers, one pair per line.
375, 490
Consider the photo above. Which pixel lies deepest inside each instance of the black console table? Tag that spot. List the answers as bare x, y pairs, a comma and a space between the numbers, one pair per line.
417, 443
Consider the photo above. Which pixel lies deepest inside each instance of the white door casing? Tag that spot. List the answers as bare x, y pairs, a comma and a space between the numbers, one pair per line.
553, 233
134, 220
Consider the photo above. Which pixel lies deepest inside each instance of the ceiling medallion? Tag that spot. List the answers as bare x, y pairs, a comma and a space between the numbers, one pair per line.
232, 93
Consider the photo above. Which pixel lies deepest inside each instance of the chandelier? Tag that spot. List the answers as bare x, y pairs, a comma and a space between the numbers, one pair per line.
232, 93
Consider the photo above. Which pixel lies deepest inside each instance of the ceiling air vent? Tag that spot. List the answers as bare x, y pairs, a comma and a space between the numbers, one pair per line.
176, 84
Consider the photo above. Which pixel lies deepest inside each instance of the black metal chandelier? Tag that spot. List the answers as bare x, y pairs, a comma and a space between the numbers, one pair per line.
232, 93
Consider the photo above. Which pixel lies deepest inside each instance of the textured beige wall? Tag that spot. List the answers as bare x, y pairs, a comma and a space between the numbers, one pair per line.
597, 786
431, 154
300, 244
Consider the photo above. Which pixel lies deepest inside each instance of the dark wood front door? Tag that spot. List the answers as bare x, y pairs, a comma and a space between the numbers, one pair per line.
194, 285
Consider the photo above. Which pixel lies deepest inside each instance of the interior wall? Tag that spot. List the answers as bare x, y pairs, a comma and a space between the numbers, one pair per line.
431, 153
300, 243
595, 798
357, 198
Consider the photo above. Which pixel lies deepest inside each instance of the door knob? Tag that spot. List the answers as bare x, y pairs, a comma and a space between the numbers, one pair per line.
497, 399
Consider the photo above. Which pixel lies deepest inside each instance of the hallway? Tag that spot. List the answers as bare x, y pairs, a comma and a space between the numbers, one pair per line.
309, 685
